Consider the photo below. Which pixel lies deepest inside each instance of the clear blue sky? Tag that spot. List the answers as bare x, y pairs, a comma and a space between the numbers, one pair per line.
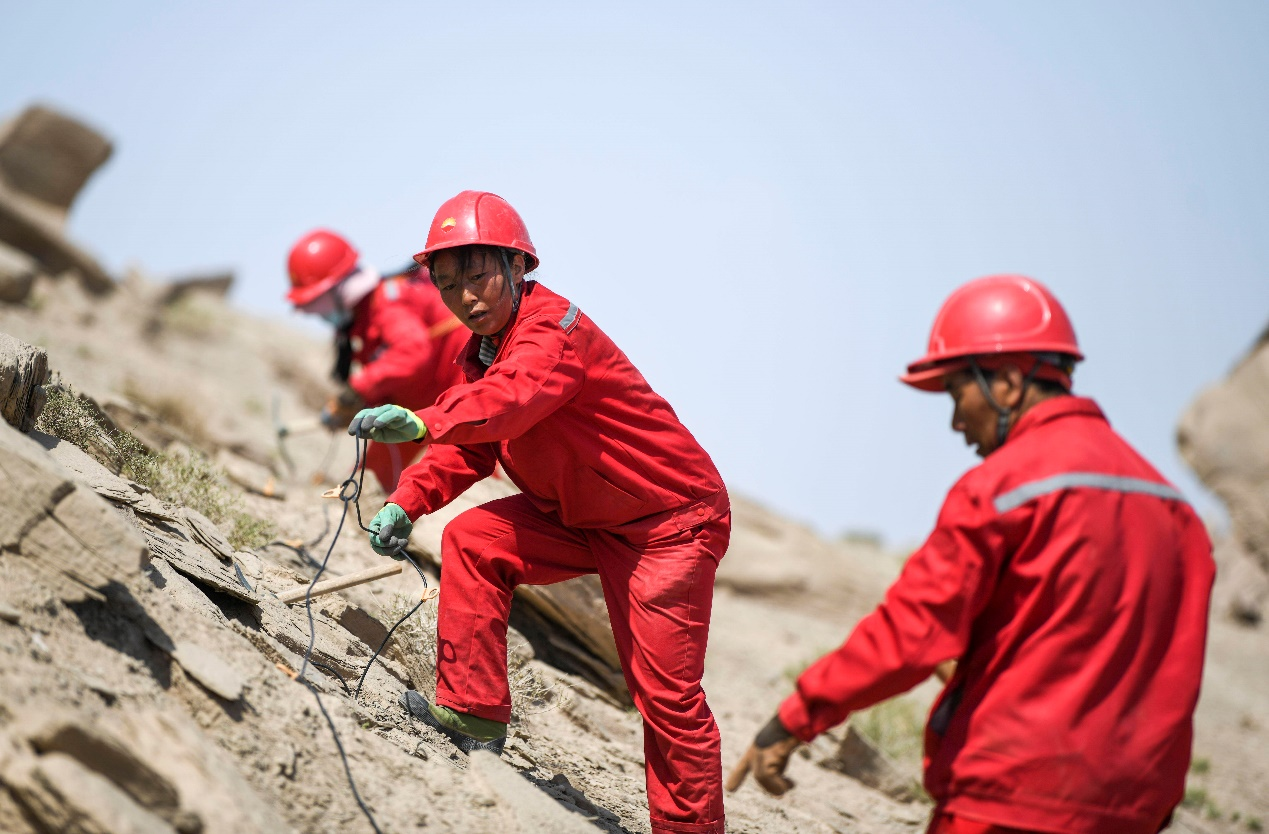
764, 204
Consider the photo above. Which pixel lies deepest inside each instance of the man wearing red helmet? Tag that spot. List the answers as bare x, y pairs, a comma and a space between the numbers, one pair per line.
397, 331
612, 484
1067, 579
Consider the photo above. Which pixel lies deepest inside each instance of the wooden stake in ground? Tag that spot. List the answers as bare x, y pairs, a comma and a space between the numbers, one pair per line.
339, 583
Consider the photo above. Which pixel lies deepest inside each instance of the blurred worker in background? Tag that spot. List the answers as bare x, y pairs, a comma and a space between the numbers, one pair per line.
1067, 579
395, 330
611, 484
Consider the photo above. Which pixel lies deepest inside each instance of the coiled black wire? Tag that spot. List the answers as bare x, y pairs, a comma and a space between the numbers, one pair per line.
353, 482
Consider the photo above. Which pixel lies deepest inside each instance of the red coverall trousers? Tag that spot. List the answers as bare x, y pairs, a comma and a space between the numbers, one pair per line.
945, 823
659, 595
949, 824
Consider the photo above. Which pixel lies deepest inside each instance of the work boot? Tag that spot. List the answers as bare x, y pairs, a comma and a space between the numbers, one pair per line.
468, 732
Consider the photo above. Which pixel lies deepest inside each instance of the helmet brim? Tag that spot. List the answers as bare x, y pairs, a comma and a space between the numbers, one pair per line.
424, 258
299, 296
930, 378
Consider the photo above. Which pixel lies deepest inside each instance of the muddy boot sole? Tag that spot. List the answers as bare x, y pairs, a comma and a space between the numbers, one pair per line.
417, 706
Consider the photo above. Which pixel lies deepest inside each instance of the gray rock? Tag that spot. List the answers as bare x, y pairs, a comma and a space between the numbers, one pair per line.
31, 485
176, 544
1242, 587
250, 475
857, 757
333, 647
12, 818
129, 772
209, 784
146, 427
64, 795
60, 527
47, 156
356, 621
207, 533
532, 810
89, 472
102, 752
214, 284
210, 670
23, 372
45, 159
183, 592
1224, 437
17, 275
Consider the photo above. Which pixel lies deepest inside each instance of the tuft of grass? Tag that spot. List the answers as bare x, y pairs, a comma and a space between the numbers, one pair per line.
73, 418
190, 480
246, 532
897, 727
1195, 797
1254, 824
1200, 765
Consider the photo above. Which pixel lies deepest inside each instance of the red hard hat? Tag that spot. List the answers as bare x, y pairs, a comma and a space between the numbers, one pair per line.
989, 317
318, 262
478, 217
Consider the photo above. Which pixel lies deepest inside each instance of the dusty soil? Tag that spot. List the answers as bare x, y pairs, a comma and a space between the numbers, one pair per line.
265, 760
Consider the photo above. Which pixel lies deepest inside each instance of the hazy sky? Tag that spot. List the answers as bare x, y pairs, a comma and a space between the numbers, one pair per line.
763, 204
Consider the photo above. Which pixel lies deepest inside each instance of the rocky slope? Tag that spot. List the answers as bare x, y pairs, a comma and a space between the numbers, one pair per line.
149, 665
151, 519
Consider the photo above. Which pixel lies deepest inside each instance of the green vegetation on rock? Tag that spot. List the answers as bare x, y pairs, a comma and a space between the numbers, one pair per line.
187, 479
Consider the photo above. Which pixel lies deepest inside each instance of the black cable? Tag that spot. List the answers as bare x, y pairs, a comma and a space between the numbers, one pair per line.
355, 480
331, 670
400, 551
386, 638
312, 630
343, 757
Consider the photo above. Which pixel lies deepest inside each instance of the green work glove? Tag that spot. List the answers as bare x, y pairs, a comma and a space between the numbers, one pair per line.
387, 424
389, 530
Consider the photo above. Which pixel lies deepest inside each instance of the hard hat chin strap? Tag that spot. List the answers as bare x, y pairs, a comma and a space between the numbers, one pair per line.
515, 288
488, 348
1002, 414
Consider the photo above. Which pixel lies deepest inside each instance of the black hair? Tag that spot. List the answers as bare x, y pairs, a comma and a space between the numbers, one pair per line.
464, 254
343, 353
1050, 386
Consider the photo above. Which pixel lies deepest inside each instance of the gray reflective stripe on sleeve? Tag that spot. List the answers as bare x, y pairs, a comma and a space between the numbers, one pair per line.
1015, 498
569, 317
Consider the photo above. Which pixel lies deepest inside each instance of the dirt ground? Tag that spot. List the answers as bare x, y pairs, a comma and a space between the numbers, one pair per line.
265, 761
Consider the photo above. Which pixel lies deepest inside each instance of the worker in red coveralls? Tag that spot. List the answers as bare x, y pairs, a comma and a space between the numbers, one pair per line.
397, 330
1067, 579
612, 484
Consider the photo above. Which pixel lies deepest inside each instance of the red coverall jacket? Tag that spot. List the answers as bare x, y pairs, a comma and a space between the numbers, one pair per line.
1071, 582
575, 426
408, 342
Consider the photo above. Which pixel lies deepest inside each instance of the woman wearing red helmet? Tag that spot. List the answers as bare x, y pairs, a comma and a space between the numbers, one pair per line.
1067, 580
396, 331
612, 484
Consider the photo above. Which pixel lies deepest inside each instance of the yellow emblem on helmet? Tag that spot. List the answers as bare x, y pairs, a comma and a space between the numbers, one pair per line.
448, 223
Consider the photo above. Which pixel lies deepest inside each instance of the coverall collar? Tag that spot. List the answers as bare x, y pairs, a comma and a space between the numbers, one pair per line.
1055, 408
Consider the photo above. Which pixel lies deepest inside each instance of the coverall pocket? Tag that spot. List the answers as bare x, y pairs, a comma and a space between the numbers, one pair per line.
606, 498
